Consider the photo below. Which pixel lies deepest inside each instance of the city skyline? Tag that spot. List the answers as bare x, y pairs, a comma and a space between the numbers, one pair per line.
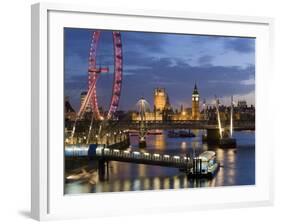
202, 101
221, 66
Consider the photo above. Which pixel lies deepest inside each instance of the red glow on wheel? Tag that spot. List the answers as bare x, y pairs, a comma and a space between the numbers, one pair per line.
94, 72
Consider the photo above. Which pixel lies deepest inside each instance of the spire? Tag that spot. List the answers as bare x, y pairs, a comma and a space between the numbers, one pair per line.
195, 90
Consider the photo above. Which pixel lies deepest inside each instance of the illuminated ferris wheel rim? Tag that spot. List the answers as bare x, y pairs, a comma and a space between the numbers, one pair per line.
94, 72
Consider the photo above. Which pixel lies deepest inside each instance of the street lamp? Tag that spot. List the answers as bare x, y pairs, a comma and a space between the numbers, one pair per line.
97, 141
115, 137
107, 140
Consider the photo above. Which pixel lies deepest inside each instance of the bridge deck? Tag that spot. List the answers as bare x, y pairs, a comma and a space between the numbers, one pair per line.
170, 125
106, 154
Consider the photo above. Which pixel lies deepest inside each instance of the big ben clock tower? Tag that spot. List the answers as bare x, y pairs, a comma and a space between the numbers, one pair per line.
195, 104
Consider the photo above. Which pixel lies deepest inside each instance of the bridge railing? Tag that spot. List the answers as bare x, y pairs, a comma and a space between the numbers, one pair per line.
133, 156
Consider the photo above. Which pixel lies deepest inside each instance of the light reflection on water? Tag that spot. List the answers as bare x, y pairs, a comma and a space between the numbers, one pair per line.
238, 167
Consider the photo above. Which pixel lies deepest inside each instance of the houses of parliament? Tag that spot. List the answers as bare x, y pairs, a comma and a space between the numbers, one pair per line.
162, 109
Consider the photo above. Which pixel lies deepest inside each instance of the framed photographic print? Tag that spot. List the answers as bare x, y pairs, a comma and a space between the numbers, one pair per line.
150, 111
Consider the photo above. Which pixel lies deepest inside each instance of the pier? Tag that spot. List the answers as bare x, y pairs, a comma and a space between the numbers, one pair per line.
104, 154
204, 165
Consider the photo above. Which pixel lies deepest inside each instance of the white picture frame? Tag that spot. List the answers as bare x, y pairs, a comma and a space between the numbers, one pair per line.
48, 200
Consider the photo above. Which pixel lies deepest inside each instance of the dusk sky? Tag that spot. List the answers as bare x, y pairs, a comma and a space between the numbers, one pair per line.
221, 66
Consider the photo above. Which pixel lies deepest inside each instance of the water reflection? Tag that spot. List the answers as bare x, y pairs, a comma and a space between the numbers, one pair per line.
237, 167
159, 140
184, 145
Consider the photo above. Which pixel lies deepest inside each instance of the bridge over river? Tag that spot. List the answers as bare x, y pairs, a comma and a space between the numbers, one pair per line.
184, 125
169, 125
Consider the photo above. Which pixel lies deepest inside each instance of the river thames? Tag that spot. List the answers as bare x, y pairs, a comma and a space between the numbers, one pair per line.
237, 167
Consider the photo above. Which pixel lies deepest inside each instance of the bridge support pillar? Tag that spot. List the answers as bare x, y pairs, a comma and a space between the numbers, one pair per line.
142, 142
103, 170
212, 136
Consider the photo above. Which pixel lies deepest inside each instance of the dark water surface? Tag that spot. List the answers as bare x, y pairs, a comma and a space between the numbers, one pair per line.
237, 167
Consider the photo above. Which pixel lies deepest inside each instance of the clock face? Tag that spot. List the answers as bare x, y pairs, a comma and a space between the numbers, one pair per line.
195, 98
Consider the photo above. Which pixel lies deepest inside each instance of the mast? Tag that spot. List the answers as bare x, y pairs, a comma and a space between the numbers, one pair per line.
218, 116
142, 131
231, 117
205, 109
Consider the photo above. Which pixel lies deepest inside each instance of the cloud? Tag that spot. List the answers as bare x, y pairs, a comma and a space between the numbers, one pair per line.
149, 62
248, 97
240, 45
205, 60
80, 68
143, 42
250, 81
179, 81
77, 41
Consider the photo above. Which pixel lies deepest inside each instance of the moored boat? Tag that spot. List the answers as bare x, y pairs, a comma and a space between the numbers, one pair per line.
173, 134
181, 134
186, 134
204, 166
155, 132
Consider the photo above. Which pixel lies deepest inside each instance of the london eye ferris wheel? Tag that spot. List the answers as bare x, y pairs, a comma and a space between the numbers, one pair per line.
94, 71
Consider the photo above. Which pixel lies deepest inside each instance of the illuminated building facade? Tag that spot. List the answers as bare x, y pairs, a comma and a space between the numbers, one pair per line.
161, 107
149, 116
160, 99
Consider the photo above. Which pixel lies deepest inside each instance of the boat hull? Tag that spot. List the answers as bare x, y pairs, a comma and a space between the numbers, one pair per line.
207, 175
227, 143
